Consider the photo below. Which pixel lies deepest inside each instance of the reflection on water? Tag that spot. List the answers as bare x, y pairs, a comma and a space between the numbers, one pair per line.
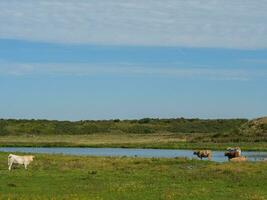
158, 153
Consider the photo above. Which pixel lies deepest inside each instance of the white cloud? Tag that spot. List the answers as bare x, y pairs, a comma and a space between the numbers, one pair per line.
124, 69
194, 23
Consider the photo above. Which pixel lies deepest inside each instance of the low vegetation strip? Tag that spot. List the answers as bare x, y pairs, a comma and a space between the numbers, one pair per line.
142, 126
113, 178
155, 141
145, 133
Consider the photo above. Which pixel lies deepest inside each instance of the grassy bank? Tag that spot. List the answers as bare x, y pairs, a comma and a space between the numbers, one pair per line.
164, 141
73, 177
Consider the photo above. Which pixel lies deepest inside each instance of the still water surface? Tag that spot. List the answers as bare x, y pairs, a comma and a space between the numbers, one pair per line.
157, 153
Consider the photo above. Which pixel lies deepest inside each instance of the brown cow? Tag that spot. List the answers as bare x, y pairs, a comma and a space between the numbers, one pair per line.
237, 149
239, 159
233, 152
203, 154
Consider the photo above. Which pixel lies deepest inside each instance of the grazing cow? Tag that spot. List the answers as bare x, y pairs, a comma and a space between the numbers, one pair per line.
23, 160
233, 152
203, 154
239, 159
237, 149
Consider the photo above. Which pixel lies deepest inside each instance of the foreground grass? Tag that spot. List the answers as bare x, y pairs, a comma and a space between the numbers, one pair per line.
73, 177
163, 140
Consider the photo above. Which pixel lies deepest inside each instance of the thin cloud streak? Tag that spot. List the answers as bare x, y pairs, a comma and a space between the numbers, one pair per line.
23, 69
192, 23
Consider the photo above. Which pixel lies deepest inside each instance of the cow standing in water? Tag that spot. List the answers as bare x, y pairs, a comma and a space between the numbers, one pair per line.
203, 154
233, 152
22, 160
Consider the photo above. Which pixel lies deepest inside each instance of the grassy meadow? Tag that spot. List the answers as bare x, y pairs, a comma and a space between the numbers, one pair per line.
121, 178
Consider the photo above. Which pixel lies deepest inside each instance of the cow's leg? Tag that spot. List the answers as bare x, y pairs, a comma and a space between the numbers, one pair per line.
10, 166
25, 165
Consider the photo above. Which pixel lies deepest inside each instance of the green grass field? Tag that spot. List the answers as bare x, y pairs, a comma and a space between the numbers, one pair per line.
74, 177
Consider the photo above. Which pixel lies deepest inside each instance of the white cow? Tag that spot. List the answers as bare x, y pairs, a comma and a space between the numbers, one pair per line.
23, 160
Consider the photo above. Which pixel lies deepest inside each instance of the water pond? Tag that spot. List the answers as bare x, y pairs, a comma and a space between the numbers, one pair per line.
218, 156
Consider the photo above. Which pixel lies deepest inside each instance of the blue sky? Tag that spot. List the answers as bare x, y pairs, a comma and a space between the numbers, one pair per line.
131, 59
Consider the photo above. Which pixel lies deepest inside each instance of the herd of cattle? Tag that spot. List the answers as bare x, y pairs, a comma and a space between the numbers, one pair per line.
233, 154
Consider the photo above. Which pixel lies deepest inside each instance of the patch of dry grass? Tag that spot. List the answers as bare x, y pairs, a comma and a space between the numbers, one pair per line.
90, 140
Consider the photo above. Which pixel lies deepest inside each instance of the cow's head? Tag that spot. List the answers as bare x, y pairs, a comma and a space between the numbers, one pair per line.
231, 154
